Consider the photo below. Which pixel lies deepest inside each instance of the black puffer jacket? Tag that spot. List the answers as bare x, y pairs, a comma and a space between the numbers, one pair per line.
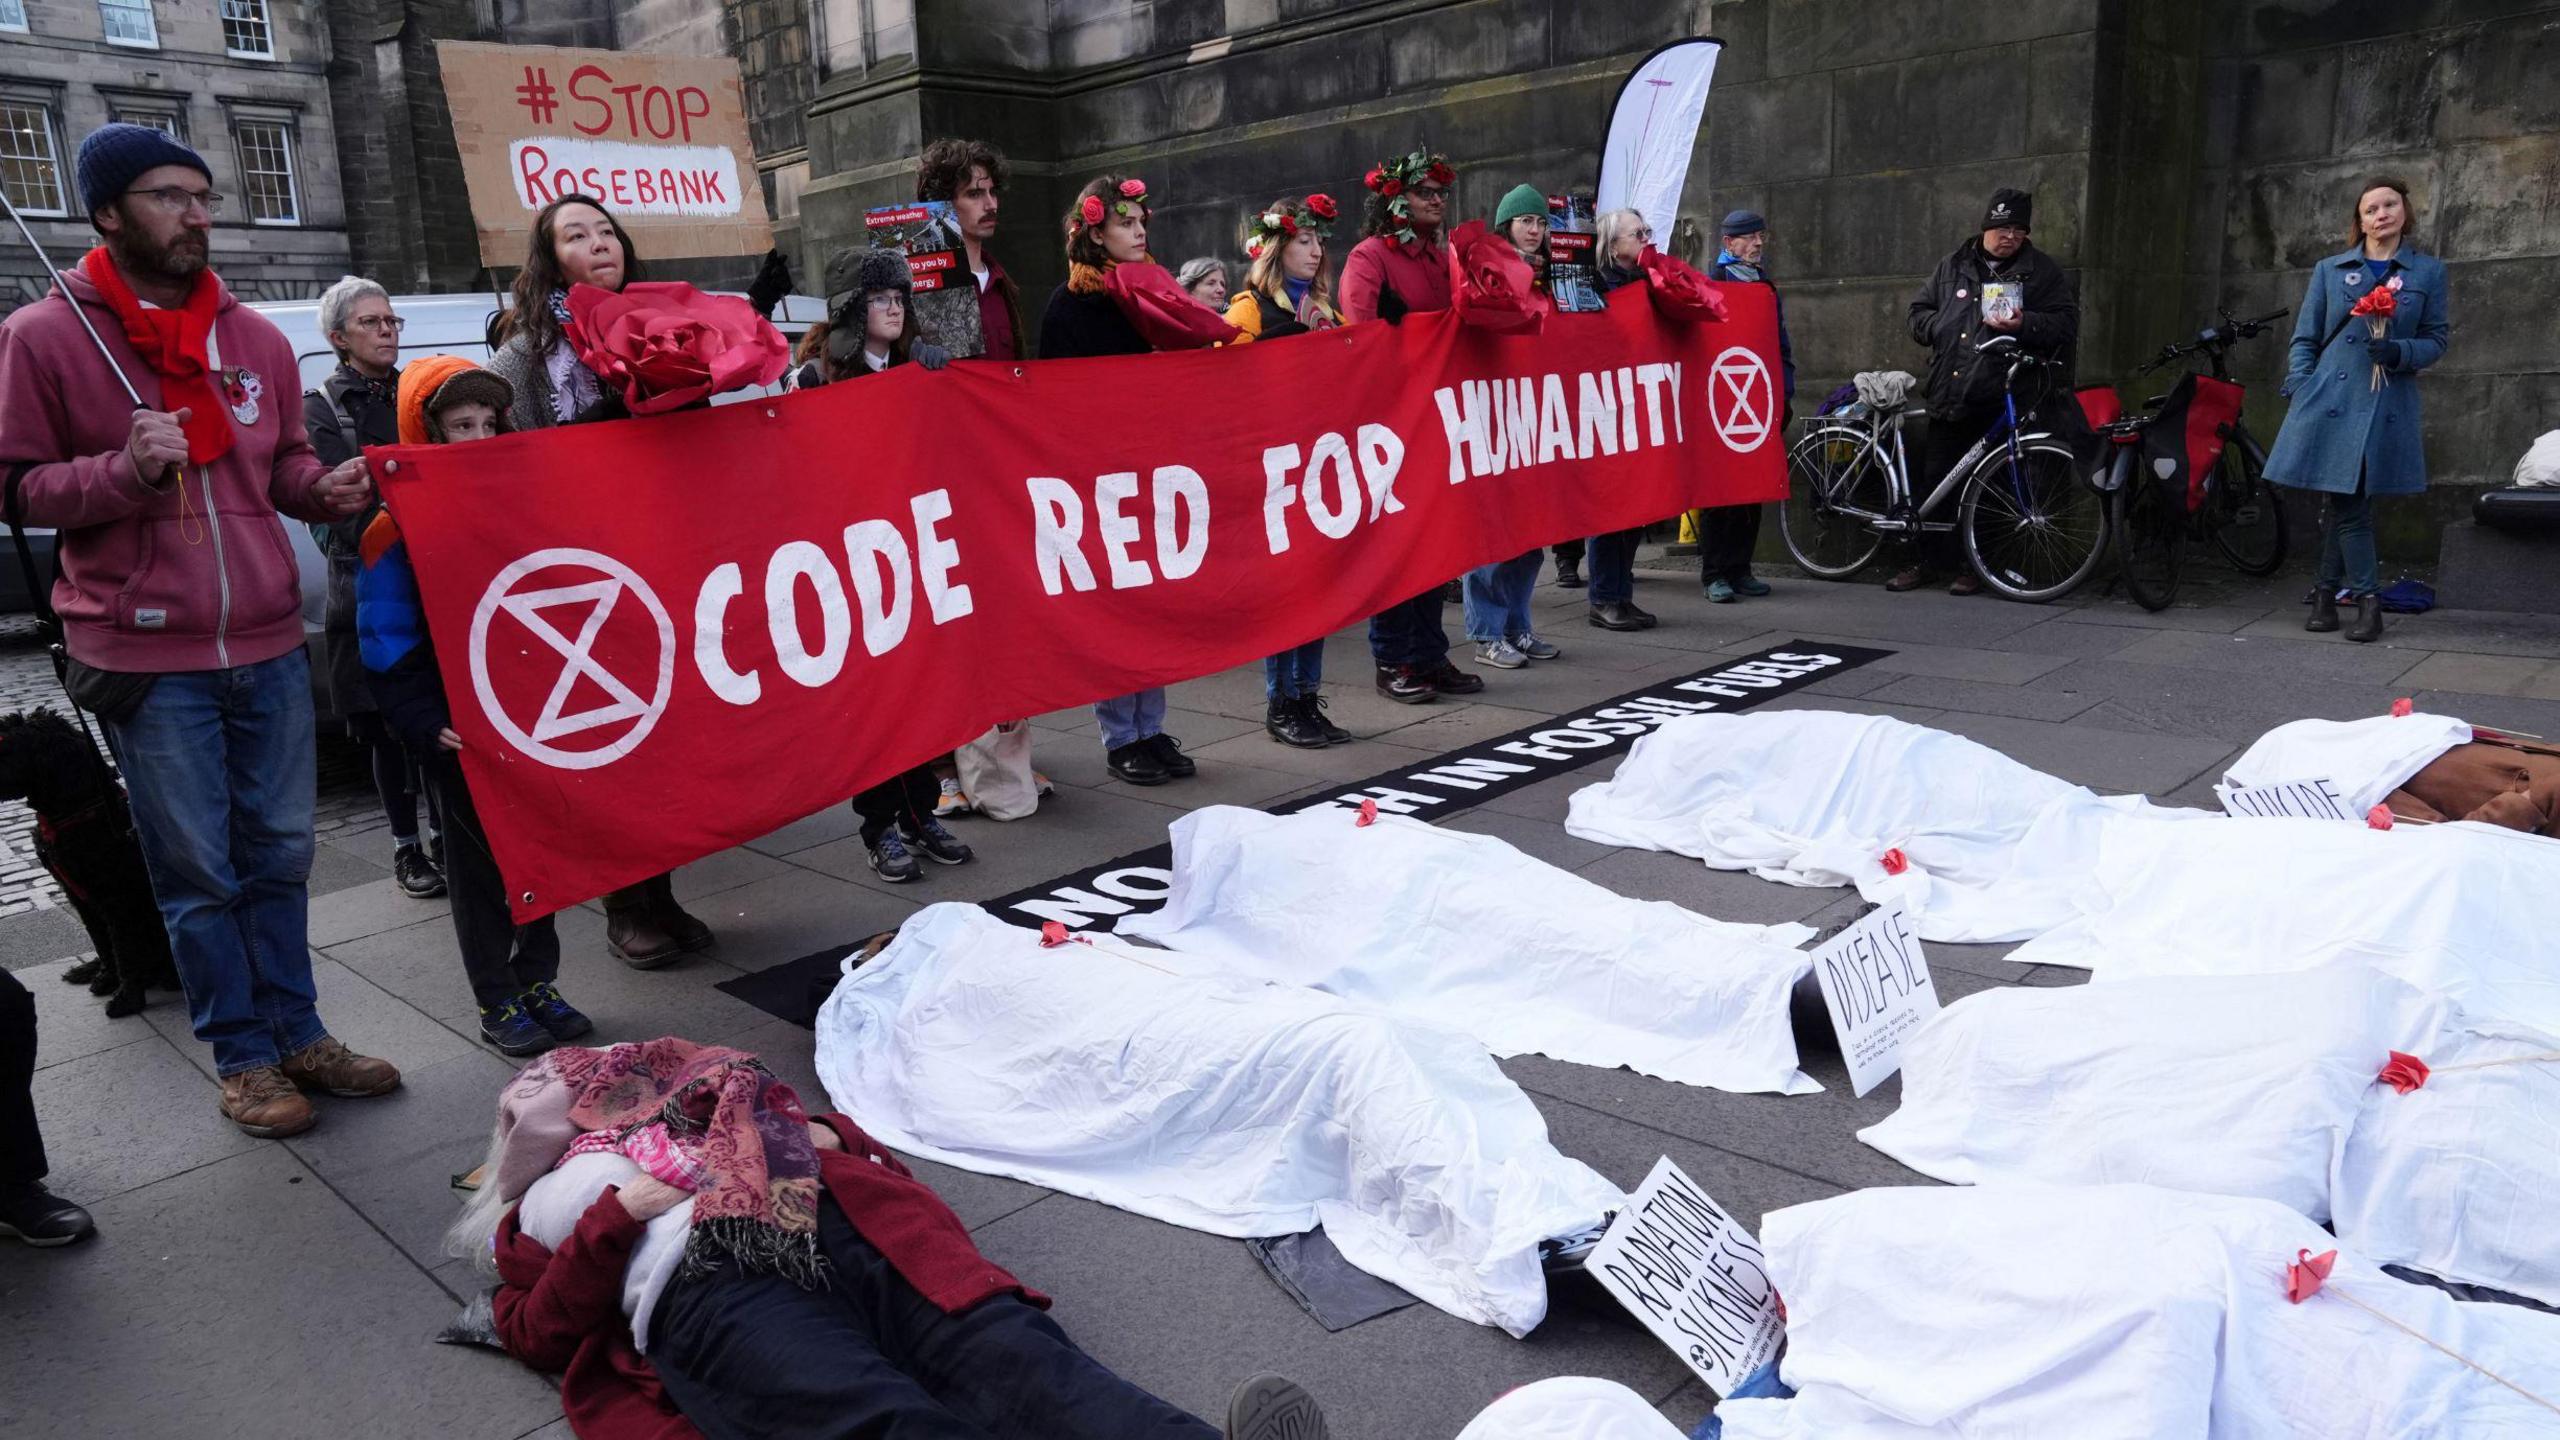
1946, 317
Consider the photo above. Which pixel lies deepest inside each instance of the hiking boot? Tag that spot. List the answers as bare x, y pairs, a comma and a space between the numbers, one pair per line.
689, 934
889, 859
1721, 592
1284, 720
936, 844
1533, 647
1406, 685
950, 802
1616, 616
1136, 764
2368, 623
415, 874
1907, 578
265, 1104
514, 1030
552, 1013
1448, 679
41, 1218
1500, 655
1569, 575
1751, 585
1313, 707
1169, 755
328, 1066
1268, 1407
635, 934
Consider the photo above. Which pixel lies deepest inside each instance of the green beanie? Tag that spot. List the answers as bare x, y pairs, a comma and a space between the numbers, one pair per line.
1523, 200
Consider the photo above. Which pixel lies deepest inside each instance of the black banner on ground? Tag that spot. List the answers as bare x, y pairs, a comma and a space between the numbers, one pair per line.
1136, 883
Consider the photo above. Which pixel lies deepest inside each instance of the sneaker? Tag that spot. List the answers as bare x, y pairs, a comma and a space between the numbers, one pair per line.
1908, 578
1313, 707
889, 858
1500, 655
265, 1104
1751, 585
552, 1013
1169, 755
951, 802
1721, 592
1448, 679
1533, 647
41, 1218
417, 876
1284, 720
327, 1065
1406, 685
936, 844
1136, 764
1616, 617
435, 850
1565, 1253
1269, 1407
515, 1032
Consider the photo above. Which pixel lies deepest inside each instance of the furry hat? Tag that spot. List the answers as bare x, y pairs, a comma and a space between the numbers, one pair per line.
852, 274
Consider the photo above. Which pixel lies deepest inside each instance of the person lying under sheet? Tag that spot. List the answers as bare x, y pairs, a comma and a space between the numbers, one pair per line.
697, 1255
1233, 1107
2419, 766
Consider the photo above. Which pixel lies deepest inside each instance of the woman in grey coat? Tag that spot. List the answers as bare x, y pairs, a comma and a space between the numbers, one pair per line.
2355, 431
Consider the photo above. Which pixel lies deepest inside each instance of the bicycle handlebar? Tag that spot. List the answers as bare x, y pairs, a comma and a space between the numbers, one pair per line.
2215, 339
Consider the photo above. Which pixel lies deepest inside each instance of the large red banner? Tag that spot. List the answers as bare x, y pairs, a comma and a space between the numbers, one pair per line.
664, 637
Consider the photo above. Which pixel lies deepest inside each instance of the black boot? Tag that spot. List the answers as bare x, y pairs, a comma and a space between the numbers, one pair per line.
1286, 723
2368, 624
1312, 707
633, 932
690, 934
2324, 612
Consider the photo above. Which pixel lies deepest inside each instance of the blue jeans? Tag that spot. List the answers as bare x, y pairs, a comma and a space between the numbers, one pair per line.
1613, 566
1128, 719
1293, 673
2347, 558
1762, 1383
1409, 633
1498, 597
223, 775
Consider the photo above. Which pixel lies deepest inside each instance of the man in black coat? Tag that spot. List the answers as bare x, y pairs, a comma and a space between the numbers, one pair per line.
1995, 284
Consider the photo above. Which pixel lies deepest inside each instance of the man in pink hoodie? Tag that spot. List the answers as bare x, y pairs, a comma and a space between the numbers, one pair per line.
181, 600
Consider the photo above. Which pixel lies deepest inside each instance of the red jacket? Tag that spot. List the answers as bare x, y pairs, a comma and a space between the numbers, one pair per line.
562, 1310
199, 576
1418, 274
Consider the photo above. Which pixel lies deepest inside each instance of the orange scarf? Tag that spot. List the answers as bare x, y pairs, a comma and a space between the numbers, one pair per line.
174, 343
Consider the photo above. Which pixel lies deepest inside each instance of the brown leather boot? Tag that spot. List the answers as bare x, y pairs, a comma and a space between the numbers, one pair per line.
634, 933
328, 1066
264, 1103
690, 934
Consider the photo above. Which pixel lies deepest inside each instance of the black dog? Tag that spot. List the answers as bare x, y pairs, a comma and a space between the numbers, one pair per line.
84, 836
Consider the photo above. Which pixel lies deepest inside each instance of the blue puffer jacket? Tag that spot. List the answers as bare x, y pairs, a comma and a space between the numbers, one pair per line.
2341, 425
391, 638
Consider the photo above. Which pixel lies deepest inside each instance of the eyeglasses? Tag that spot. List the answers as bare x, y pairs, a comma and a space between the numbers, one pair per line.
177, 199
378, 324
886, 300
1428, 192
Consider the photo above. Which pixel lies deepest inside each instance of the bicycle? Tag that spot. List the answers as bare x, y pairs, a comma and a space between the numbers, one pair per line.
2034, 526
2238, 510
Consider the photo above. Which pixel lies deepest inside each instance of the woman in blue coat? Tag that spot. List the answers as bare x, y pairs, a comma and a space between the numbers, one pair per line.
2354, 430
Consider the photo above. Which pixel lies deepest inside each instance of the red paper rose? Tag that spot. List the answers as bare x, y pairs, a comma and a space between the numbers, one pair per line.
1440, 174
1368, 813
2308, 1272
2378, 818
1165, 314
1090, 209
2403, 708
2403, 1072
1490, 285
1053, 932
1895, 862
1133, 187
1679, 291
663, 345
1323, 206
2377, 301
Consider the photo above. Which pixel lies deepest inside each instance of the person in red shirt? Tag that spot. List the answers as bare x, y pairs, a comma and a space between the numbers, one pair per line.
1398, 268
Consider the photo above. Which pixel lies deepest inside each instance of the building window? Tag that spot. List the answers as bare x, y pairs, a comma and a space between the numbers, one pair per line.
13, 16
266, 172
856, 36
30, 165
245, 33
167, 122
130, 22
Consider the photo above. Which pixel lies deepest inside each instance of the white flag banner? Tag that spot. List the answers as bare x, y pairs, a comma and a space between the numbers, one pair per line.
1644, 163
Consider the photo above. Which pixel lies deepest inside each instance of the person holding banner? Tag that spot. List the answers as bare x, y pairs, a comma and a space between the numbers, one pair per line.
1727, 534
1621, 239
1497, 595
1401, 266
576, 242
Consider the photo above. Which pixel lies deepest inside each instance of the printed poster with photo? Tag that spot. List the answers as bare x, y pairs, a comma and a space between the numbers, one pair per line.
1573, 275
946, 296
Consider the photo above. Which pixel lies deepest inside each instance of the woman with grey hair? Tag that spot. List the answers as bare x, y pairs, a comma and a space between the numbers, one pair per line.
1620, 245
1206, 280
352, 409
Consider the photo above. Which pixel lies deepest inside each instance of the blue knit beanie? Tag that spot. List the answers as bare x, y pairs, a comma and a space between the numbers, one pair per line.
115, 155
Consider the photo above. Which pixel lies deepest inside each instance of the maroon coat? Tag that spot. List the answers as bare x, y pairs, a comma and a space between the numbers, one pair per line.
561, 1310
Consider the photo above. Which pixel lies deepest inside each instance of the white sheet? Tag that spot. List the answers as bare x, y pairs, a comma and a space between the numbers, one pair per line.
1815, 797
1227, 1106
2256, 1085
2367, 758
2118, 1312
1463, 930
1570, 1407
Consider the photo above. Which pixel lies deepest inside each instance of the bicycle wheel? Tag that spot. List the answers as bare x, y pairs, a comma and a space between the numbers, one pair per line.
1835, 483
2246, 516
2150, 540
2036, 534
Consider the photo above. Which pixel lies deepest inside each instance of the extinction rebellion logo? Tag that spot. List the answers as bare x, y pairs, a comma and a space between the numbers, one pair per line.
542, 619
1741, 400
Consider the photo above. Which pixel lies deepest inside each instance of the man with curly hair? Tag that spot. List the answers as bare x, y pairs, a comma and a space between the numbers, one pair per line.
970, 174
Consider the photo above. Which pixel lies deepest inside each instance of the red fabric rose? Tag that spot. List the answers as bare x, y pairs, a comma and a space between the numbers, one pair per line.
1376, 178
1133, 187
1490, 285
2403, 708
1165, 314
1288, 225
1368, 813
1440, 174
1090, 209
2308, 1272
1392, 189
1895, 862
663, 345
1679, 291
2403, 1072
1323, 206
2377, 302
2378, 818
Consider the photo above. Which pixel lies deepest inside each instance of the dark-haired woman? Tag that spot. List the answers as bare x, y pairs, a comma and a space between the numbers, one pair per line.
1093, 315
2354, 430
576, 242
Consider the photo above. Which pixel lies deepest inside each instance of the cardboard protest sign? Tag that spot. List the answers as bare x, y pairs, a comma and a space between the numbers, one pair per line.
1694, 1275
2317, 798
946, 295
1875, 980
660, 139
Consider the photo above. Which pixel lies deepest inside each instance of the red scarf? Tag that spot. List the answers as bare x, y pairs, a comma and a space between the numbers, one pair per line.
173, 343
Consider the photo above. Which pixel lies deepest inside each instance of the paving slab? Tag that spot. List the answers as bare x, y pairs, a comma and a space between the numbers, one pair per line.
2318, 657
367, 909
1732, 895
2064, 635
72, 1023
121, 1119
797, 914
393, 1157
2529, 676
1532, 837
1983, 698
40, 935
2210, 703
2108, 761
2466, 632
